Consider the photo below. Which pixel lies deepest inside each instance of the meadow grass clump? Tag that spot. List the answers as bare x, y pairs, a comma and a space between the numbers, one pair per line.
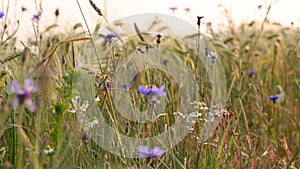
46, 108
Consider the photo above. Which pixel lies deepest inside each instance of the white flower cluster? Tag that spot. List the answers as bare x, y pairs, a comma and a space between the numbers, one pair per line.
49, 151
89, 124
198, 114
81, 110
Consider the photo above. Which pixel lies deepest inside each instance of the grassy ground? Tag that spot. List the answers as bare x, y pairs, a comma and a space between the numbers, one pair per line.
254, 131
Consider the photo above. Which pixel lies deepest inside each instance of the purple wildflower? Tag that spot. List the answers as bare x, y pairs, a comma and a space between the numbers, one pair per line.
1, 15
126, 86
173, 9
200, 17
154, 153
85, 138
158, 38
199, 20
158, 91
213, 56
187, 9
206, 51
154, 91
259, 7
106, 86
36, 16
251, 73
108, 36
23, 95
63, 59
273, 98
165, 62
143, 90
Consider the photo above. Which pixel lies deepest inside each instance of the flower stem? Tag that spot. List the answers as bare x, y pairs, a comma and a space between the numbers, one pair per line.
15, 140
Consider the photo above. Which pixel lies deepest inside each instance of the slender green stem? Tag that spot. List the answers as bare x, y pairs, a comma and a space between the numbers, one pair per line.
15, 140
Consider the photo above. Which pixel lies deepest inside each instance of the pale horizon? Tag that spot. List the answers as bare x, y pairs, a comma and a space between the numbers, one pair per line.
284, 11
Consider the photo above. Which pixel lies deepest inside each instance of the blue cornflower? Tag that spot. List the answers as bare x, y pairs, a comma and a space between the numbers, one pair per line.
158, 91
36, 16
108, 36
154, 153
143, 90
107, 85
273, 98
126, 86
85, 138
251, 73
154, 91
63, 59
23, 95
173, 9
1, 15
165, 62
206, 51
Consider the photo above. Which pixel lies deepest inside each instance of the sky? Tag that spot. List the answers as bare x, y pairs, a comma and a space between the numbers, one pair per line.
284, 11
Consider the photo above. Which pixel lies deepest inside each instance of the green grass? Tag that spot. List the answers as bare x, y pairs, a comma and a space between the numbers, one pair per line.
256, 132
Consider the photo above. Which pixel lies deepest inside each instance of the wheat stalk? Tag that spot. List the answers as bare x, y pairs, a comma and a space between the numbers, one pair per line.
138, 32
96, 8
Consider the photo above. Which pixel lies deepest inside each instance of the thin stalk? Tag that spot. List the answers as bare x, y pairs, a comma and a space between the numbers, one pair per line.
15, 140
90, 34
5, 21
197, 59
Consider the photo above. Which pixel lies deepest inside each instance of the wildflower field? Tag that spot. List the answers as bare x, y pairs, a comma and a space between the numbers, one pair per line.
136, 94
